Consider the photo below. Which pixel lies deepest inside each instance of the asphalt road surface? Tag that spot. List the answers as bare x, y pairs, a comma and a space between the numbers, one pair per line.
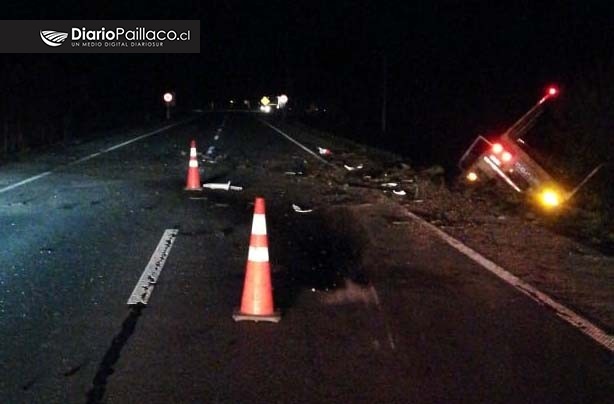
76, 240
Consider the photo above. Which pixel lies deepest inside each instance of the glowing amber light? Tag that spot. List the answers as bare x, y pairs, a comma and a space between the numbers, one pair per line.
472, 177
549, 198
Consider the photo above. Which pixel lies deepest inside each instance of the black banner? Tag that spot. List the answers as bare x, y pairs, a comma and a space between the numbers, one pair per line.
99, 36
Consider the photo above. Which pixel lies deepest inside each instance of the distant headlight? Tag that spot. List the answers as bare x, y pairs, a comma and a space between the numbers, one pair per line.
265, 108
472, 177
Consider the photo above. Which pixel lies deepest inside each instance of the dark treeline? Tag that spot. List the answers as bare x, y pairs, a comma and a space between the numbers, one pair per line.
46, 100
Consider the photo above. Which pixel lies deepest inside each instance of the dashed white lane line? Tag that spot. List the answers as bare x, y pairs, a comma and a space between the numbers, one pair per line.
566, 314
144, 287
89, 157
296, 142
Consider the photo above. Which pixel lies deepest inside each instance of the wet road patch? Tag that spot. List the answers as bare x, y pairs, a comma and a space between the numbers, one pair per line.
313, 252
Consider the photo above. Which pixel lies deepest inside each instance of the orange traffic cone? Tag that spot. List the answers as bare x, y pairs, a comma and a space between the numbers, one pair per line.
257, 300
193, 180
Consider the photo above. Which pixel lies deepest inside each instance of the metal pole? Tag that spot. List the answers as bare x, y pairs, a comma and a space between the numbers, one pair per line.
384, 84
584, 181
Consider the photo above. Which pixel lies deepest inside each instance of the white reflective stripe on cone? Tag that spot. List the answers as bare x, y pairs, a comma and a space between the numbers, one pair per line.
194, 163
192, 151
258, 254
259, 225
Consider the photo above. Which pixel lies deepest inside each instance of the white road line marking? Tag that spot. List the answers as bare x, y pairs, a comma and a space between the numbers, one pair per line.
144, 287
563, 312
24, 182
296, 142
381, 310
86, 158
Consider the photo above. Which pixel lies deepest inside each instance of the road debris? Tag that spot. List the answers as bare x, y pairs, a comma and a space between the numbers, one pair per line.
223, 186
350, 168
298, 209
212, 156
324, 152
434, 171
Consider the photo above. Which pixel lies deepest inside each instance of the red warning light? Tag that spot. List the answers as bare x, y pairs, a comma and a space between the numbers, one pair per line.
552, 91
497, 148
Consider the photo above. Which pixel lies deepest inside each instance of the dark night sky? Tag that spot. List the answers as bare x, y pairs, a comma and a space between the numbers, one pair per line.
452, 65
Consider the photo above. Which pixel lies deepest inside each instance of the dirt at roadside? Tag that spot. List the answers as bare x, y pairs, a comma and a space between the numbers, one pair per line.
369, 180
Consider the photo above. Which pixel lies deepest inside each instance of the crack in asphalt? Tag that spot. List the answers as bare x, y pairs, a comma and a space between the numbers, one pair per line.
111, 357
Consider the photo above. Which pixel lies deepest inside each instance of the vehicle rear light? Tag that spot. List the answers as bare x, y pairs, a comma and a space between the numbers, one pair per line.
497, 148
506, 156
472, 177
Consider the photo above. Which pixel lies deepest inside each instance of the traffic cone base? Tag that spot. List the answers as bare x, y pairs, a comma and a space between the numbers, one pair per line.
271, 318
194, 188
